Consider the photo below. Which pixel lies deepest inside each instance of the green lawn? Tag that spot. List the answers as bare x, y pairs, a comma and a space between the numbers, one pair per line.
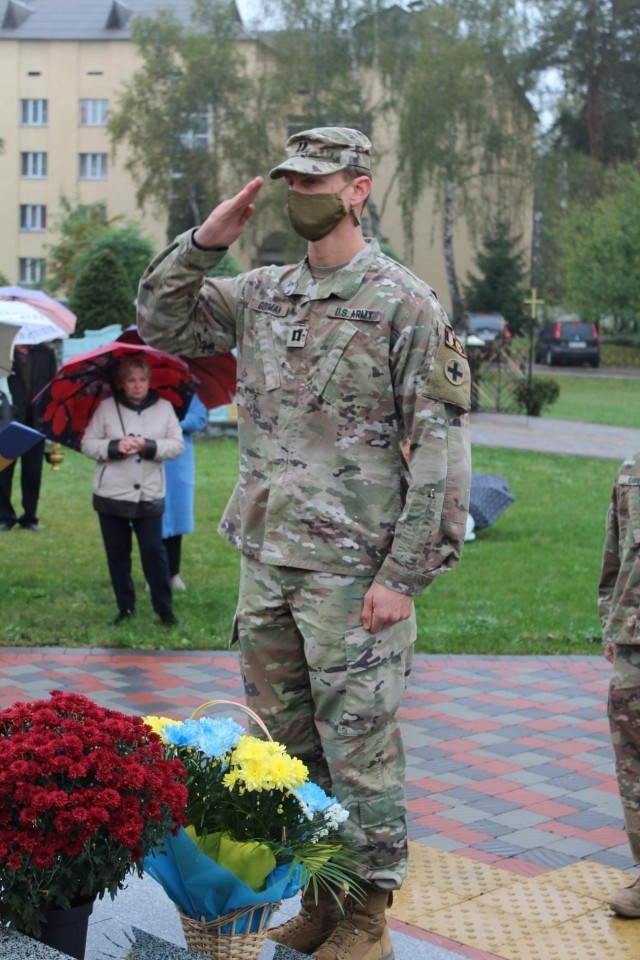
525, 585
596, 400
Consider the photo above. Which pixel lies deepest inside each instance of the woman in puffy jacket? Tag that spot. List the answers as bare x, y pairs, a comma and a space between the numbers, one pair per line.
129, 436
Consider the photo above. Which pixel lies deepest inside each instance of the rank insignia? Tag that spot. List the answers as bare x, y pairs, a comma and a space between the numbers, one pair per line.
297, 337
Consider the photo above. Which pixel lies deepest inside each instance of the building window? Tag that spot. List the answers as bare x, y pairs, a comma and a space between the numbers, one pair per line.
196, 136
93, 166
33, 216
33, 165
94, 113
31, 270
34, 113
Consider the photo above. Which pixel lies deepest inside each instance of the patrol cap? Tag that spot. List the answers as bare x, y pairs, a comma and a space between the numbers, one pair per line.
324, 150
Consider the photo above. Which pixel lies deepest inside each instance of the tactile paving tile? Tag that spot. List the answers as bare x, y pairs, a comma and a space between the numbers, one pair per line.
436, 879
470, 924
559, 915
542, 903
594, 936
589, 879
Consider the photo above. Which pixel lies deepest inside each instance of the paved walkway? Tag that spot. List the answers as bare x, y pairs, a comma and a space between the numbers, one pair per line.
545, 435
514, 816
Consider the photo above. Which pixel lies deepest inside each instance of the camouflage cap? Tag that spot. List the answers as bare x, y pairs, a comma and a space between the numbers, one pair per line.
324, 150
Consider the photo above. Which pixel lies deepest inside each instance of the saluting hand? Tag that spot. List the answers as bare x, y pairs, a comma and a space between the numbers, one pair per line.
226, 222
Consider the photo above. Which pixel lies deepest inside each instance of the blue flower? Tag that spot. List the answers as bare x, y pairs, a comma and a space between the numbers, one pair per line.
218, 736
182, 734
214, 737
314, 797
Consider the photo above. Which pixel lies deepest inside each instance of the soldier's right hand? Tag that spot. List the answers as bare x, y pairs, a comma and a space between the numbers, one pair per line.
226, 222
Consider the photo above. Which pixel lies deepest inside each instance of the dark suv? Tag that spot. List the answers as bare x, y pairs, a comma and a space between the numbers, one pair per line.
568, 341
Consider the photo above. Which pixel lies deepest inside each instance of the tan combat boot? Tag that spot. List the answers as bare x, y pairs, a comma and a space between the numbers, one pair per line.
315, 922
626, 903
362, 933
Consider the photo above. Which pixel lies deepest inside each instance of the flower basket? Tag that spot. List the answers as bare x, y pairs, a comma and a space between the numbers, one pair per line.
240, 934
226, 938
257, 831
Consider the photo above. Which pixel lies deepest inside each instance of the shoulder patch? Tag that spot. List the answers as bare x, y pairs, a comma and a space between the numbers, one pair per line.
452, 341
450, 380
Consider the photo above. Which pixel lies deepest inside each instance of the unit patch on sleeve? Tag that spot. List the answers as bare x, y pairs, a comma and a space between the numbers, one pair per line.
452, 341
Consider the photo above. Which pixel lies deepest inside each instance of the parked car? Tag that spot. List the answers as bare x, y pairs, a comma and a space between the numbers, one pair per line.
486, 326
568, 341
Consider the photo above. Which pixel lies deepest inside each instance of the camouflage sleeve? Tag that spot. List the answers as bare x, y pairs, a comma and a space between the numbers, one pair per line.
180, 310
610, 567
432, 408
619, 588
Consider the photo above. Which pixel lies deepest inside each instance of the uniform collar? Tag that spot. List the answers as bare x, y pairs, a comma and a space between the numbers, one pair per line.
344, 283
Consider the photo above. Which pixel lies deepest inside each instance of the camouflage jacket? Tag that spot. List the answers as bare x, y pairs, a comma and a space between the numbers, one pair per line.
333, 376
619, 591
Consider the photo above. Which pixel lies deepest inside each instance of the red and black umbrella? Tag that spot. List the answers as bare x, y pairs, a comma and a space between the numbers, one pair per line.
216, 376
66, 405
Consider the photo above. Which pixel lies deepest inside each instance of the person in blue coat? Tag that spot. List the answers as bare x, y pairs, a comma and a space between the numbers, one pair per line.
180, 476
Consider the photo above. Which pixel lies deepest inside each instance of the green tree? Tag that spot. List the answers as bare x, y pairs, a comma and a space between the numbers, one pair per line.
102, 294
190, 116
458, 88
78, 227
130, 249
593, 46
498, 287
85, 230
599, 245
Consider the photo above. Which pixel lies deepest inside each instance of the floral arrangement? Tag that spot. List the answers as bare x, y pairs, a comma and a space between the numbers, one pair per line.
85, 793
252, 812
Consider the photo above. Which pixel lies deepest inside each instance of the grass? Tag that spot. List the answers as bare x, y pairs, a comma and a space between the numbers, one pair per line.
525, 585
606, 400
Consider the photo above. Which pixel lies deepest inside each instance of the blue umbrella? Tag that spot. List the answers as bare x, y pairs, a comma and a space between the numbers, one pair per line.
490, 496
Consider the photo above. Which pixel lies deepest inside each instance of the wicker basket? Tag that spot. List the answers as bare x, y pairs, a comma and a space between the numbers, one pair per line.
239, 935
206, 937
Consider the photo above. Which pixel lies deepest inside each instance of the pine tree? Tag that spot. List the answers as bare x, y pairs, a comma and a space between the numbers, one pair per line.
102, 294
499, 285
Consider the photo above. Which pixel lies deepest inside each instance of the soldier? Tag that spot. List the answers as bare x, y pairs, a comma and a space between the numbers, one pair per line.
619, 607
340, 358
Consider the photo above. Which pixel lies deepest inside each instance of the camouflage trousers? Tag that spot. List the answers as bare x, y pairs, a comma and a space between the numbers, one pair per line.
330, 691
624, 720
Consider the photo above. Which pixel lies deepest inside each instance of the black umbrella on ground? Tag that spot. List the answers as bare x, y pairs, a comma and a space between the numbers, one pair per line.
490, 496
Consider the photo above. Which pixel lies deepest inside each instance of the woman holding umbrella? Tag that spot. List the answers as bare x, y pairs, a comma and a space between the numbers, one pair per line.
130, 435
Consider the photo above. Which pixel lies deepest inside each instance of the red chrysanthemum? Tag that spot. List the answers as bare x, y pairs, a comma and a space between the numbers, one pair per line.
85, 793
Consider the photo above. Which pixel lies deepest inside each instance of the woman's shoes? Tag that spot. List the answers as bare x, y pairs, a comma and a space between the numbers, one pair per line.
122, 616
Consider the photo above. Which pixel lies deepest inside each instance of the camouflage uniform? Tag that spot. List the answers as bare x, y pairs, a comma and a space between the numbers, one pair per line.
619, 606
333, 375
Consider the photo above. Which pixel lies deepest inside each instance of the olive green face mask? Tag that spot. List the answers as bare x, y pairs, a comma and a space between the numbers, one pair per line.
314, 215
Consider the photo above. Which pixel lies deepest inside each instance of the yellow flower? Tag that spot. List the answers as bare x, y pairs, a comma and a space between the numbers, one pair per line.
264, 765
158, 724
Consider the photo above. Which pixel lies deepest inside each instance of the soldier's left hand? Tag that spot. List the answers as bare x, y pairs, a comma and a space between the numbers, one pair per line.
383, 607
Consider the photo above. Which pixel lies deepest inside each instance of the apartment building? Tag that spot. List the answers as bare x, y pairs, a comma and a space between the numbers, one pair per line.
61, 64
